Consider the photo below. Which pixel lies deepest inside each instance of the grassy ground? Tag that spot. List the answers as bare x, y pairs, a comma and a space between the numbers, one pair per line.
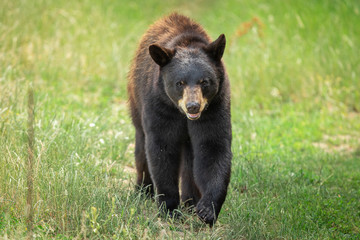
294, 68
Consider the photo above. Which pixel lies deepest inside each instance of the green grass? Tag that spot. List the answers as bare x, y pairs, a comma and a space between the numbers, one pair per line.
295, 113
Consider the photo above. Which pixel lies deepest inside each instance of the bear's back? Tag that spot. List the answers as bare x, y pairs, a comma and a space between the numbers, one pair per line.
168, 28
164, 31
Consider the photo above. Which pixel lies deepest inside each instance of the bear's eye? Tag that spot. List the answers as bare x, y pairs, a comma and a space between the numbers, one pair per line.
180, 83
204, 82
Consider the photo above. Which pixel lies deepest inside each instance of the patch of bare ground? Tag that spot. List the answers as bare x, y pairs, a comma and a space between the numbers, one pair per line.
343, 144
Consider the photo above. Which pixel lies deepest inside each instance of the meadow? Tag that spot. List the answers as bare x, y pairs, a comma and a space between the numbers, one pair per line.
294, 68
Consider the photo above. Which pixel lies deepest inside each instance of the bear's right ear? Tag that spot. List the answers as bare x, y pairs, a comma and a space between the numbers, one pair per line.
161, 55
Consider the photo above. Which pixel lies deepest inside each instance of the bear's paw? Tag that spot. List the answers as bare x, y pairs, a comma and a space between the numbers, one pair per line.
206, 212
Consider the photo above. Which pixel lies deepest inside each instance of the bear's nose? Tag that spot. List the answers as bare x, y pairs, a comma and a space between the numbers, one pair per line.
193, 107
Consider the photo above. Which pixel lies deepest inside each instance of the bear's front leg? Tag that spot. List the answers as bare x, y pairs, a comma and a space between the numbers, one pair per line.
211, 142
164, 160
164, 134
212, 175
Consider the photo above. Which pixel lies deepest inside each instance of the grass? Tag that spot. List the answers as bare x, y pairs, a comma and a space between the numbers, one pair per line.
294, 69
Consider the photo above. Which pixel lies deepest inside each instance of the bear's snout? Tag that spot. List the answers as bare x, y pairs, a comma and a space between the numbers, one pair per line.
193, 107
193, 102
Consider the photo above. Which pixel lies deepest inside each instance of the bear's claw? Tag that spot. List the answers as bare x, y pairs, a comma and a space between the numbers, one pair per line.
206, 213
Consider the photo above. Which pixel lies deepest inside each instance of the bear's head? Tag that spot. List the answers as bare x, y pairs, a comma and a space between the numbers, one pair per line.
190, 75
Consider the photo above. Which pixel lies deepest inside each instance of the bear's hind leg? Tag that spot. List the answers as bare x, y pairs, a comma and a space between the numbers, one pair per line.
143, 182
190, 194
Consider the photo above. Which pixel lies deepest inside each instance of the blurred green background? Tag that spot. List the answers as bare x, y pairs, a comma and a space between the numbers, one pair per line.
294, 68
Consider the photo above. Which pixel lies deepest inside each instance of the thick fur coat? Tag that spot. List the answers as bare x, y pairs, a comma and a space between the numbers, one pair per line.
179, 98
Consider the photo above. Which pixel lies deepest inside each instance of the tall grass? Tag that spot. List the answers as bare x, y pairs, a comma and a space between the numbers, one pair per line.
294, 70
30, 162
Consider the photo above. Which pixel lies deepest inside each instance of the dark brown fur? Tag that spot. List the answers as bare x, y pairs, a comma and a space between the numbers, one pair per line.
176, 54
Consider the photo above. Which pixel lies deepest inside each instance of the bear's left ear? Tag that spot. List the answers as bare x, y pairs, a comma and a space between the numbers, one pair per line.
161, 55
216, 49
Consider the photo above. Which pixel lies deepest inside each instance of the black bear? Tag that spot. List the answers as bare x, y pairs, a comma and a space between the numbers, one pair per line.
179, 97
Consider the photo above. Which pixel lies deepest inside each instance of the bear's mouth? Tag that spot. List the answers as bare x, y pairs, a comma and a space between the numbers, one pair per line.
193, 116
